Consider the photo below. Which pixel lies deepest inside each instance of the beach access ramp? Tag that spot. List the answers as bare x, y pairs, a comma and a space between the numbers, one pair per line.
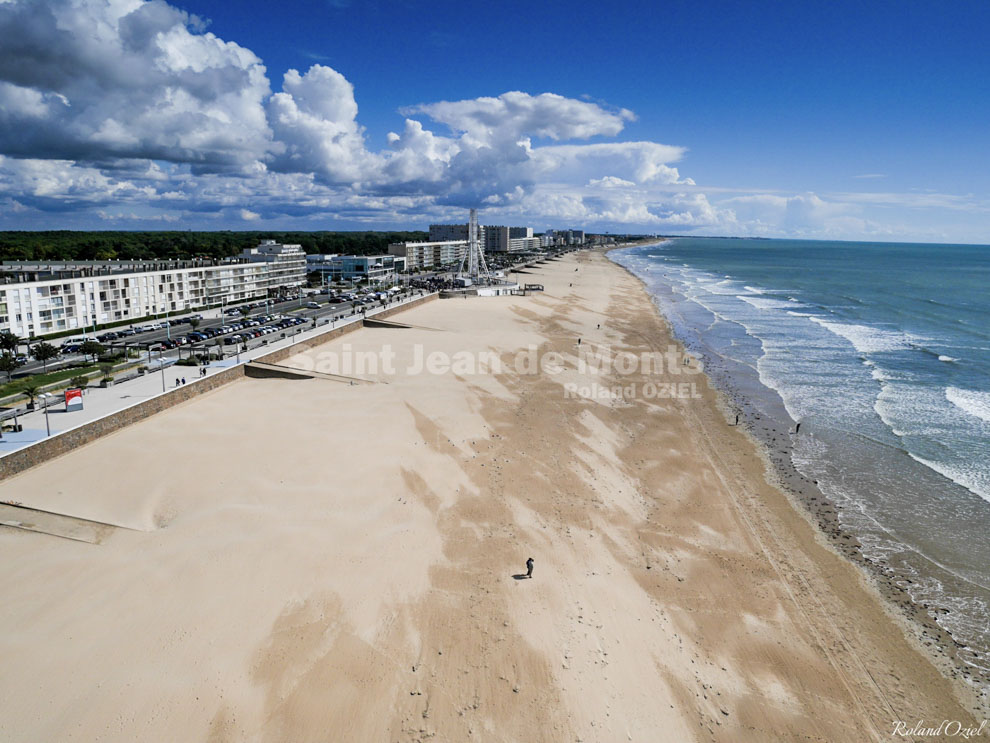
371, 322
262, 370
16, 516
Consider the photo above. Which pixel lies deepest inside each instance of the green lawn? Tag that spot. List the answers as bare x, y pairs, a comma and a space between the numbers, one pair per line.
17, 385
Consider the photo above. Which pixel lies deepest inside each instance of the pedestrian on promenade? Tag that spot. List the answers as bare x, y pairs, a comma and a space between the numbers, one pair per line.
176, 381
183, 380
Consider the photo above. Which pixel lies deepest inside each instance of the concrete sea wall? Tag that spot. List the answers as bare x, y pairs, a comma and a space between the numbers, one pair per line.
62, 443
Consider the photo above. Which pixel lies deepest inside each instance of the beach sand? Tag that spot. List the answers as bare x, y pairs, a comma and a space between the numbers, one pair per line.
307, 560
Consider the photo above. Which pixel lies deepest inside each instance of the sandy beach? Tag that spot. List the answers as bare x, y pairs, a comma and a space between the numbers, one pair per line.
312, 560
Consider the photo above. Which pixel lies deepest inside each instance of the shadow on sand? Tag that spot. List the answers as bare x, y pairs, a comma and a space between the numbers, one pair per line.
521, 576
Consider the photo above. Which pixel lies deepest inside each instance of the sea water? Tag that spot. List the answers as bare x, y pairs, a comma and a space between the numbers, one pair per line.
882, 352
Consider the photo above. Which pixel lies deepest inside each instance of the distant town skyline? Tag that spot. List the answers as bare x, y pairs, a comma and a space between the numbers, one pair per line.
813, 120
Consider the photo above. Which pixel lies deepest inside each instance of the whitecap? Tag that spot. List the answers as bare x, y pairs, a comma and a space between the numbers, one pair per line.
866, 339
763, 304
974, 402
970, 477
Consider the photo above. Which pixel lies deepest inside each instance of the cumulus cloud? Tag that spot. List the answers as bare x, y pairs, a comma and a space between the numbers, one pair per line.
513, 115
130, 111
314, 121
101, 81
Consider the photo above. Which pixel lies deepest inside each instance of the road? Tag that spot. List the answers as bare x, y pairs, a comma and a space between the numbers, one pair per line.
212, 319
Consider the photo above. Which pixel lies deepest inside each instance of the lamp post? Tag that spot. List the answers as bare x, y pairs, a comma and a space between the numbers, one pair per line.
48, 427
161, 365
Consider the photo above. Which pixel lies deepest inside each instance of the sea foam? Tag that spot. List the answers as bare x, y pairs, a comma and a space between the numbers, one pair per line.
970, 401
866, 339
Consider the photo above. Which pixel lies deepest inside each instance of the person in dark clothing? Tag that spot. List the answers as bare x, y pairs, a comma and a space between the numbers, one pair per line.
529, 568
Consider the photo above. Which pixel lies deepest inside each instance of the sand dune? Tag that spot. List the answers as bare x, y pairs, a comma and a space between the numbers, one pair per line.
308, 560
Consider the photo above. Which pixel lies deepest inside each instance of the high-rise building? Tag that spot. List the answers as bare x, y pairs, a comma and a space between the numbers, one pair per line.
453, 232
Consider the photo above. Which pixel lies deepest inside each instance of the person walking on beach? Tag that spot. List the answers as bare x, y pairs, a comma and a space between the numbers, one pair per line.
529, 568
737, 419
797, 428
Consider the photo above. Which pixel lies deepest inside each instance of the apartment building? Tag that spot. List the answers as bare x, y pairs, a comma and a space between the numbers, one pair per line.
37, 299
433, 254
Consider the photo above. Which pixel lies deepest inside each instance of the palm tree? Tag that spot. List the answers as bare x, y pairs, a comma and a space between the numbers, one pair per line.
194, 322
44, 352
245, 311
80, 381
30, 388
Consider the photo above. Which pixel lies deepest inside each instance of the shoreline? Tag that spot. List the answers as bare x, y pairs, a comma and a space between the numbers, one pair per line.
775, 447
318, 560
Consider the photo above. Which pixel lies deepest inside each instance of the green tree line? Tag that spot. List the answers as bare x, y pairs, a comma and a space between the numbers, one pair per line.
69, 245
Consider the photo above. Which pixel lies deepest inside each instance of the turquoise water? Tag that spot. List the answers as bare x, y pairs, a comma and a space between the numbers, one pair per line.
882, 352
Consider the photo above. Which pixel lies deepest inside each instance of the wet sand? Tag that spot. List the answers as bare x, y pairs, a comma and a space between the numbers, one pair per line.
311, 560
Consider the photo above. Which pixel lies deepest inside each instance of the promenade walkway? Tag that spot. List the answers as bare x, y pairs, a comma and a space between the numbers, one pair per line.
99, 402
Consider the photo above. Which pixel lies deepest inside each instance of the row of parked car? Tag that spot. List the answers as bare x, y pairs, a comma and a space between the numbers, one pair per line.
114, 335
234, 333
254, 329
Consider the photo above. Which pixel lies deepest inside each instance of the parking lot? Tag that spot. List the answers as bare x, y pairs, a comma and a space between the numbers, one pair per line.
225, 334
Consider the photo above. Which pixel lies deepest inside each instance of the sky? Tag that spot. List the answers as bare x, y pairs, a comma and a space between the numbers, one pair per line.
824, 120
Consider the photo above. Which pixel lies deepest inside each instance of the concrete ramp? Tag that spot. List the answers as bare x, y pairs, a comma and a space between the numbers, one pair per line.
372, 322
261, 370
54, 524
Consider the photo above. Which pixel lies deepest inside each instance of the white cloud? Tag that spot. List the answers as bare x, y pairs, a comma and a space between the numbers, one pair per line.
610, 181
315, 121
513, 115
129, 111
99, 81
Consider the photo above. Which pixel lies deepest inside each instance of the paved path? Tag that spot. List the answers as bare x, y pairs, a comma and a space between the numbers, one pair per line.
99, 402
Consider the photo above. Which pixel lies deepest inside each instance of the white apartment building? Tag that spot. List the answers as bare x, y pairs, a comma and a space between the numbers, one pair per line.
430, 254
42, 298
285, 264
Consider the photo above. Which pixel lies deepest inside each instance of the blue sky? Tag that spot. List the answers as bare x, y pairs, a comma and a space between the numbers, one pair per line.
819, 120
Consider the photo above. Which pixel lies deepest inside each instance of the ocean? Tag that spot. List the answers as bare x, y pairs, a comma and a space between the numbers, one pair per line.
882, 352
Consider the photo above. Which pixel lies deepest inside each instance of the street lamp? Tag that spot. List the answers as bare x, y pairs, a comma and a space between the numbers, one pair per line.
161, 364
45, 396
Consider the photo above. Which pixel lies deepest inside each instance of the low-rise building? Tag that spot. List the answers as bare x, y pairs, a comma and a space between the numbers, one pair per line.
372, 268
